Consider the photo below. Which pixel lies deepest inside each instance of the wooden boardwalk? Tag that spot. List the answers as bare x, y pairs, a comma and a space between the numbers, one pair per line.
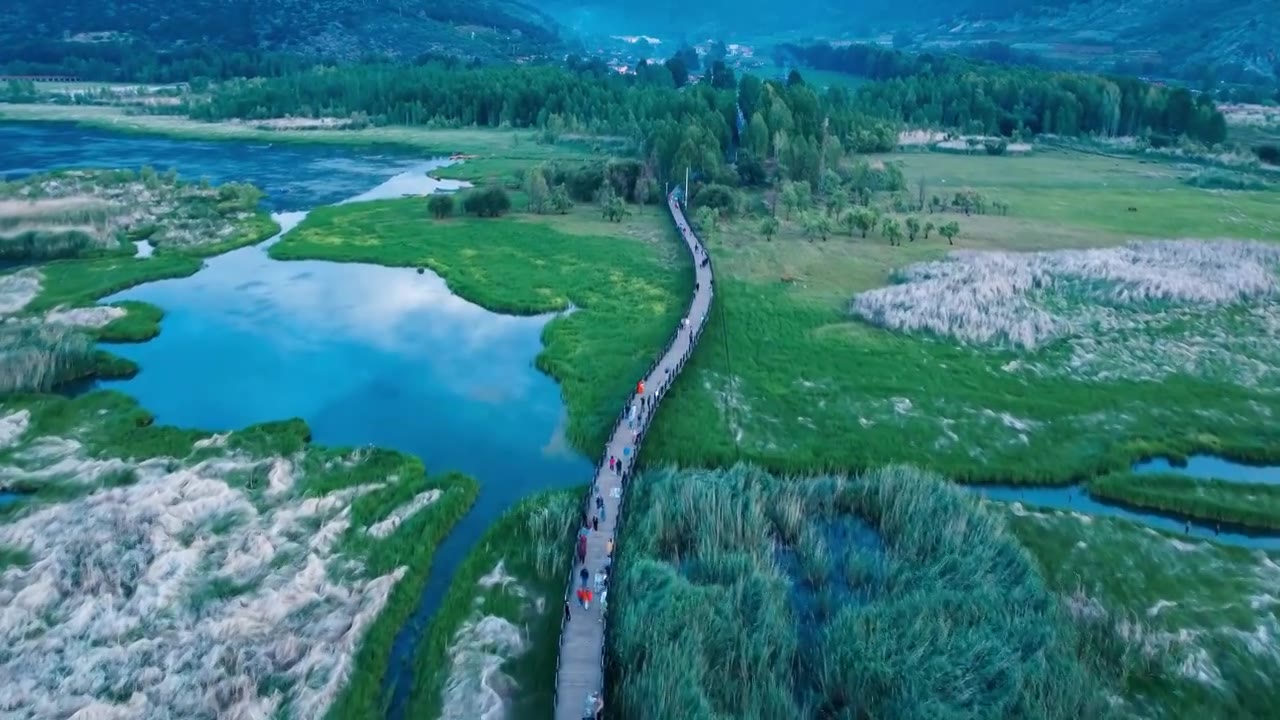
579, 672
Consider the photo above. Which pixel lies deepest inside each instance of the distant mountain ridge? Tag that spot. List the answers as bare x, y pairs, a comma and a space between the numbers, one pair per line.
343, 29
1237, 37
1232, 38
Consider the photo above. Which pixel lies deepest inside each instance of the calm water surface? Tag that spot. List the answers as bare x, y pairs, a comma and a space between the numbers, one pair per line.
364, 354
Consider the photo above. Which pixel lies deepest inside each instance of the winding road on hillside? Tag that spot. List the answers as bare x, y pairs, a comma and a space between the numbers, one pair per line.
580, 668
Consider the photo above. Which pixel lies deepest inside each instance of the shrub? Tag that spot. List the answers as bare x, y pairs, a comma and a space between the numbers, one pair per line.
718, 197
492, 201
1215, 179
441, 206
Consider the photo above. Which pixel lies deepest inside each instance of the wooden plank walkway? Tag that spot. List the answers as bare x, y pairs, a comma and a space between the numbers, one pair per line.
579, 671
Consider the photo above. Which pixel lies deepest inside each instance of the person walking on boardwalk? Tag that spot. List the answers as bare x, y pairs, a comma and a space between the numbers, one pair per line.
612, 460
582, 545
582, 597
595, 523
608, 548
602, 512
567, 615
584, 574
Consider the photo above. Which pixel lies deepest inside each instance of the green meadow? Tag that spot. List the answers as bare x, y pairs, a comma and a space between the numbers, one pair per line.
786, 378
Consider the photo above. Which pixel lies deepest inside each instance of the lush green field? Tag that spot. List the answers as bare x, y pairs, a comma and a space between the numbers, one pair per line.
628, 284
111, 425
514, 580
1202, 615
1092, 194
738, 594
1248, 504
812, 388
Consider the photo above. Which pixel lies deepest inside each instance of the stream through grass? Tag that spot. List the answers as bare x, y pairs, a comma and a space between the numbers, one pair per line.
1201, 467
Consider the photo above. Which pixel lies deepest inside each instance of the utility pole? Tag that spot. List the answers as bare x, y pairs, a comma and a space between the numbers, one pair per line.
685, 194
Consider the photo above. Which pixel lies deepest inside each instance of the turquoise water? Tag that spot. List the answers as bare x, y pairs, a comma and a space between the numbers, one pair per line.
364, 354
1208, 466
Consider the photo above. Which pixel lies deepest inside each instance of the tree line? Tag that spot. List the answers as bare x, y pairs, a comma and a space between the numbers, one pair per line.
672, 126
982, 97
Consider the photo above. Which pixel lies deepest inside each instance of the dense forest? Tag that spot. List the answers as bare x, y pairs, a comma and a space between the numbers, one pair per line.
953, 91
135, 61
673, 127
341, 29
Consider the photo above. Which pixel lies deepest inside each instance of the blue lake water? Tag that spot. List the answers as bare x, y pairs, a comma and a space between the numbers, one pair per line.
365, 354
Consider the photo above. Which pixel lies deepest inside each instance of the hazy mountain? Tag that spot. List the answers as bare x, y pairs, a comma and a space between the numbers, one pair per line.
1171, 36
337, 28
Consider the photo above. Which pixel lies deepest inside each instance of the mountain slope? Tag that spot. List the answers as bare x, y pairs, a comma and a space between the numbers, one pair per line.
335, 28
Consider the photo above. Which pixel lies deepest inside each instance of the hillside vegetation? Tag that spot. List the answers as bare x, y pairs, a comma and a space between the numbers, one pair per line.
51, 32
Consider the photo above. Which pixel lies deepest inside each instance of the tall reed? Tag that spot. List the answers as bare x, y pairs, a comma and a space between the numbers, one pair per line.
947, 618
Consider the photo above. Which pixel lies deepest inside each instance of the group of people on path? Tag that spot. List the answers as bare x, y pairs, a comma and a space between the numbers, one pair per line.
638, 411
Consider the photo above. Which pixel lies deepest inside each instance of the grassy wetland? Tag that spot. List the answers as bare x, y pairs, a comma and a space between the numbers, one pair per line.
287, 568
887, 594
77, 229
1198, 616
854, 338
491, 648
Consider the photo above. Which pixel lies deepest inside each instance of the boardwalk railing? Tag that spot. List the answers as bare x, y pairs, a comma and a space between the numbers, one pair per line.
581, 660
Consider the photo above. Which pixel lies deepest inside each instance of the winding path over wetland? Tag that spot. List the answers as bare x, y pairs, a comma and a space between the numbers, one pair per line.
580, 666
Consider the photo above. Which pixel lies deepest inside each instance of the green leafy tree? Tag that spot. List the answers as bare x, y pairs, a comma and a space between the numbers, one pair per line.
615, 209
913, 228
892, 231
536, 190
849, 221
864, 219
950, 231
560, 201
928, 228
440, 205
837, 203
769, 227
790, 198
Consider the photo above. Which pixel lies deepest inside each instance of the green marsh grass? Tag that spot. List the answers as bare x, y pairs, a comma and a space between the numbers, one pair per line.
948, 620
1252, 505
113, 425
81, 282
786, 379
627, 283
1196, 619
531, 541
141, 322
